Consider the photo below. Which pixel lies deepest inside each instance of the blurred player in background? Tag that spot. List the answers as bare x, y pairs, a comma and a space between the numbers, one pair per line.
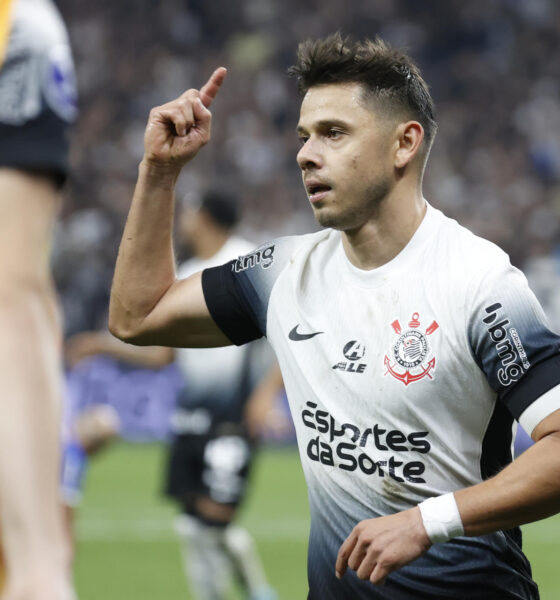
408, 345
222, 409
37, 106
84, 435
215, 428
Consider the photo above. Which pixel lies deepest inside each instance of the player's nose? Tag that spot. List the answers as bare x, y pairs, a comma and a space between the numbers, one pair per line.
309, 157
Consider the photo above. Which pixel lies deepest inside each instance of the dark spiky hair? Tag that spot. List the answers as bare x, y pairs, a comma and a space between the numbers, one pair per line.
388, 75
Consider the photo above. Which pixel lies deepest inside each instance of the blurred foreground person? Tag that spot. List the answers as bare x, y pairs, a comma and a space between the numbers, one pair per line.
220, 412
37, 105
408, 345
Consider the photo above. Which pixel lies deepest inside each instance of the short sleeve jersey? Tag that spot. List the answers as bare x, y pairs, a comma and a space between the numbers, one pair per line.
403, 381
37, 89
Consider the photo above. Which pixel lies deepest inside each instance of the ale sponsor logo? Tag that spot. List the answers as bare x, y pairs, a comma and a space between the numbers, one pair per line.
353, 351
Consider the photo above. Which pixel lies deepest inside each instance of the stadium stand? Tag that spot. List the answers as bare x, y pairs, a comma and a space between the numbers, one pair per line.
493, 66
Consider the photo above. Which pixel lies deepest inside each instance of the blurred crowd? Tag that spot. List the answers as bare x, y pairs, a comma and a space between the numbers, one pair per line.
494, 71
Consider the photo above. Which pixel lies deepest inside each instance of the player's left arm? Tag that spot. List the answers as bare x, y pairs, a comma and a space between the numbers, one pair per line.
525, 491
528, 489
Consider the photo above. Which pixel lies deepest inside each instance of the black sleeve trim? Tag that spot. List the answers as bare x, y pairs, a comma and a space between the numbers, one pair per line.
228, 308
539, 379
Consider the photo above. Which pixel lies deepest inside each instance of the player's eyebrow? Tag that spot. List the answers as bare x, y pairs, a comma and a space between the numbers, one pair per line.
324, 124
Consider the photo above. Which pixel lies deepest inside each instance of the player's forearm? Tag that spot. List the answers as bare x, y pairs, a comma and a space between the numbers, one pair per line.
145, 267
526, 491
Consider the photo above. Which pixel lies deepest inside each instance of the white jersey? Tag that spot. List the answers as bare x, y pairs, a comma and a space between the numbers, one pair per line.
218, 380
403, 381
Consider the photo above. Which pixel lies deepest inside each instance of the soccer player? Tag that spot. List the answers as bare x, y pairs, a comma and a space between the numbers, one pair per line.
37, 106
215, 426
220, 411
84, 434
408, 345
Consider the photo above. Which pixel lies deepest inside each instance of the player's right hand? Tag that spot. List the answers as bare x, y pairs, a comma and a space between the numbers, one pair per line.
377, 547
177, 130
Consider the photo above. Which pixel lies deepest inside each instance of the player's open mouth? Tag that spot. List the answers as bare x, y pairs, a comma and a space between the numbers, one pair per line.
317, 191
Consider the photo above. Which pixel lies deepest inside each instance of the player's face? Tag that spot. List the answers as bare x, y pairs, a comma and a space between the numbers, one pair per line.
345, 158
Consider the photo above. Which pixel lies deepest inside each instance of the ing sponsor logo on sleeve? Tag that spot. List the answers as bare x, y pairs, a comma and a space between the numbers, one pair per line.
513, 361
263, 256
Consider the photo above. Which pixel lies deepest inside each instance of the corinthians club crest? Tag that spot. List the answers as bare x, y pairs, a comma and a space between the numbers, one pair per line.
409, 354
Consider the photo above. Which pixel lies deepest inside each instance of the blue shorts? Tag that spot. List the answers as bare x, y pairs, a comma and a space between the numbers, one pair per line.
74, 466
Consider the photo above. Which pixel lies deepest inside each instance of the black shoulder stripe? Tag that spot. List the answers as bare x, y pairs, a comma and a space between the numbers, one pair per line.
227, 306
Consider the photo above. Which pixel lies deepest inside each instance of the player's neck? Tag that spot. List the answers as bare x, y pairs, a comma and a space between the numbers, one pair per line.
381, 238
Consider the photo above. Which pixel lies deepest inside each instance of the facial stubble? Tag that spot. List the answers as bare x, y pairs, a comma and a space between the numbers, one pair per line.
357, 213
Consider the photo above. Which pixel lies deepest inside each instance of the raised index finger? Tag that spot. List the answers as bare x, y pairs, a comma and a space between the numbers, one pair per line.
209, 90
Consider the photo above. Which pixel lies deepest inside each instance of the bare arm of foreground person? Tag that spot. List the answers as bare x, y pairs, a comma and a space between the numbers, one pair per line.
92, 343
148, 305
30, 515
525, 491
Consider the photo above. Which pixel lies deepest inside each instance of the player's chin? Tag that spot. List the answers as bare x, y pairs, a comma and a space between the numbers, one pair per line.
323, 218
329, 217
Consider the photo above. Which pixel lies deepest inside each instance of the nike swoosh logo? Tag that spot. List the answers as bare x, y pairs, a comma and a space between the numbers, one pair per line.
299, 337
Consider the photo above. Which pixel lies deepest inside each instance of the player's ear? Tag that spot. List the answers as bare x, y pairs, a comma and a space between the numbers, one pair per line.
409, 137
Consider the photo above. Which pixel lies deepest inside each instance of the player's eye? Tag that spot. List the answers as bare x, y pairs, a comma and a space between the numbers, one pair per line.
334, 134
302, 139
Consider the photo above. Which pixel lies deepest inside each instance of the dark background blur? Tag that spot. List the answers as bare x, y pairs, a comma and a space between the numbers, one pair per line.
494, 71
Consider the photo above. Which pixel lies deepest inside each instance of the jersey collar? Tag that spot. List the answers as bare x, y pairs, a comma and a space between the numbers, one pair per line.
403, 260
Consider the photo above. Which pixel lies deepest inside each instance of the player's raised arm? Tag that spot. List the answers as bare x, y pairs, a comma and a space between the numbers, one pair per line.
148, 305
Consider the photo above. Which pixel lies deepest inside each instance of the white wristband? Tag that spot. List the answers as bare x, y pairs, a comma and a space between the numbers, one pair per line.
441, 518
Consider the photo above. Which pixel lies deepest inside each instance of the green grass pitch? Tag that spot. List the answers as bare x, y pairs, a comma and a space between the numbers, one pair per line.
126, 548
